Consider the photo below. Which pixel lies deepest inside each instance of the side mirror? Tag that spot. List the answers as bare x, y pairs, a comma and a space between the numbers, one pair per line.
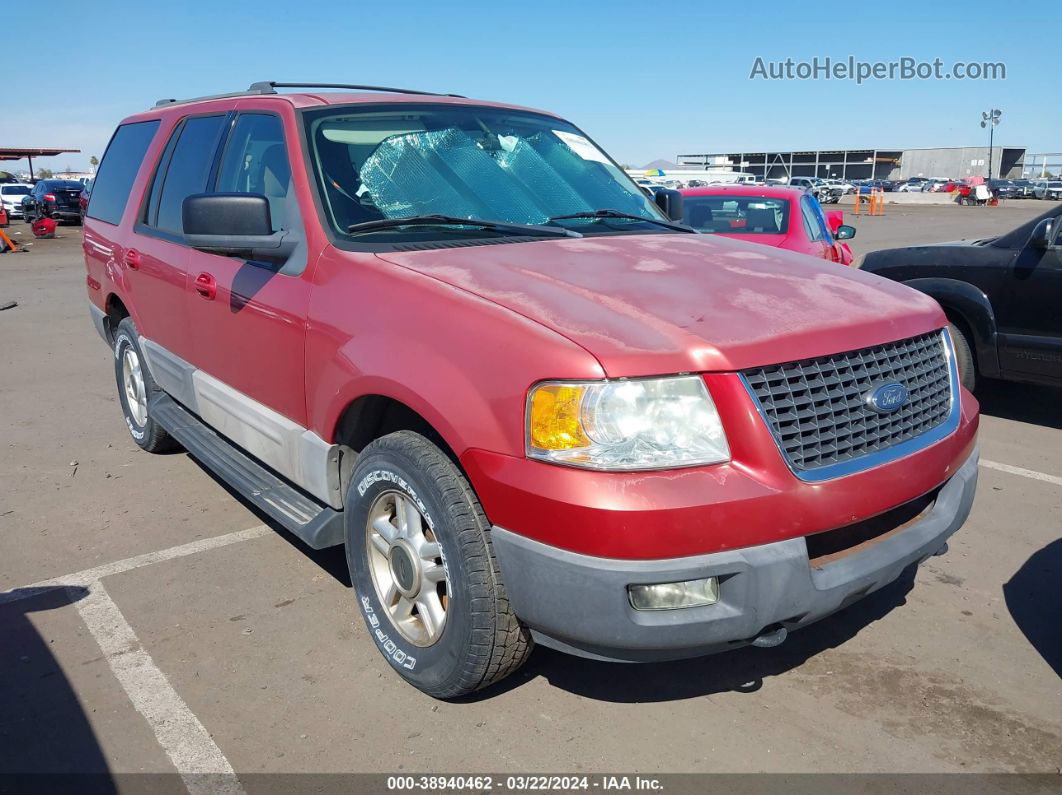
845, 232
1041, 235
670, 201
229, 223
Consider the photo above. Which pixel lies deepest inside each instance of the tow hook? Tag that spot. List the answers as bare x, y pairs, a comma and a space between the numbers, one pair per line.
772, 638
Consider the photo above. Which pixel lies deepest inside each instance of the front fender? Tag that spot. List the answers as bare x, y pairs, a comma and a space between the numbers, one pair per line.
973, 306
379, 364
463, 363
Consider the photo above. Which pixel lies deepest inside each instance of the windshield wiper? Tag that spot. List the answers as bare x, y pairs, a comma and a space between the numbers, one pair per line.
452, 220
631, 216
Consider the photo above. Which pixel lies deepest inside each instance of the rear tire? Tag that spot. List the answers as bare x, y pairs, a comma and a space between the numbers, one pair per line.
135, 388
964, 358
424, 572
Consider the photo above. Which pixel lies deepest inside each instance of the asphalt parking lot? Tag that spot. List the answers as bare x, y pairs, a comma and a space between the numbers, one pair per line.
150, 622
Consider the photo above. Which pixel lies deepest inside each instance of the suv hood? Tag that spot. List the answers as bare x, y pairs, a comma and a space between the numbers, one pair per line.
671, 303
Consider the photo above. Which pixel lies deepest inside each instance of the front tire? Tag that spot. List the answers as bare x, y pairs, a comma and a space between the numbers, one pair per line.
135, 387
964, 358
423, 567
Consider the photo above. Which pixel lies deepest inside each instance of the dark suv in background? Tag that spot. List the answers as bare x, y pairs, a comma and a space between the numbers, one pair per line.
53, 198
1001, 296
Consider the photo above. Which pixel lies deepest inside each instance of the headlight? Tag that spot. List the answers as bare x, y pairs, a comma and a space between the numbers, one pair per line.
650, 423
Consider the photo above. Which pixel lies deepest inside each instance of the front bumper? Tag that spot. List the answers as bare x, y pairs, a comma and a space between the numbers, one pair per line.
579, 604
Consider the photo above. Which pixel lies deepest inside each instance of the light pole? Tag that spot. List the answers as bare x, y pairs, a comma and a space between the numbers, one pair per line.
990, 119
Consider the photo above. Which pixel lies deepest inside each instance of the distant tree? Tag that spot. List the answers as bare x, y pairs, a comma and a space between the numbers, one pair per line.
67, 169
94, 161
44, 173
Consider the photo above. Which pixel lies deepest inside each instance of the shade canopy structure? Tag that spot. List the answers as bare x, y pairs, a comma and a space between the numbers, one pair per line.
12, 153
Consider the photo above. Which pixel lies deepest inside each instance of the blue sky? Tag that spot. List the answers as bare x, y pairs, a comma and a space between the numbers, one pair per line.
646, 80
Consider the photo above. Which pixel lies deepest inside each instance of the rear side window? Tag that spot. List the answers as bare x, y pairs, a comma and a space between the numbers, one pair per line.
814, 223
119, 168
188, 169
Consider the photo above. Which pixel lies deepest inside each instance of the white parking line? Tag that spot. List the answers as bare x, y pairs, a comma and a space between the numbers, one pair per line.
1025, 473
89, 576
200, 763
197, 758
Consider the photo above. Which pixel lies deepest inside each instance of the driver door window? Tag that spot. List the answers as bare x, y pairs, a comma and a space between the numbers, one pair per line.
256, 161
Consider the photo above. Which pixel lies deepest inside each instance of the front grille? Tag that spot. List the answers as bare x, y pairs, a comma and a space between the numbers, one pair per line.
817, 408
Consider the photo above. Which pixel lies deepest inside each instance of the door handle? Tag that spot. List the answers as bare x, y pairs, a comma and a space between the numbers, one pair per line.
132, 259
206, 285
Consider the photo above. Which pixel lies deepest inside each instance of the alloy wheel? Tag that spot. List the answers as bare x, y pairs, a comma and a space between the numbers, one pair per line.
133, 384
407, 569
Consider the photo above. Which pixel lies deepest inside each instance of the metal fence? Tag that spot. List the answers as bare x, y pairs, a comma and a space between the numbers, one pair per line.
1042, 166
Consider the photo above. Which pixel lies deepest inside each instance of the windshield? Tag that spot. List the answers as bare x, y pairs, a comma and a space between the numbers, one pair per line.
736, 215
15, 190
493, 164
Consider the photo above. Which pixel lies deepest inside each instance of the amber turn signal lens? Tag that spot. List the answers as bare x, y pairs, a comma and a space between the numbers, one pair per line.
554, 420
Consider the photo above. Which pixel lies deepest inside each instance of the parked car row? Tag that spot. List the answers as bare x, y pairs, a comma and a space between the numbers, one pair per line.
1047, 189
826, 191
1003, 188
58, 199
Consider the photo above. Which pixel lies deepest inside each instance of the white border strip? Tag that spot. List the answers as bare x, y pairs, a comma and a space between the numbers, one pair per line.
1025, 473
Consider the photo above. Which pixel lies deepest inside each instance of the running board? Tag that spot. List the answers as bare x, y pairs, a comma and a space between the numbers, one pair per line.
317, 525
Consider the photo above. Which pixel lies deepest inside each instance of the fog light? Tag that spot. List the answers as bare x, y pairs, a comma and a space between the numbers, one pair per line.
672, 595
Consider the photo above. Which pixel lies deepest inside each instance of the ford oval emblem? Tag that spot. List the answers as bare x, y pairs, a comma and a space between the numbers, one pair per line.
887, 398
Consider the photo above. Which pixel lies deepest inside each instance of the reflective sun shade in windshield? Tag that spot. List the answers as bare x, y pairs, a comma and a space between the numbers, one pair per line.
468, 162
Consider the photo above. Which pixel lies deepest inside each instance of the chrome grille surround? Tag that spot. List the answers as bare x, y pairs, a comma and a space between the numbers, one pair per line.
817, 412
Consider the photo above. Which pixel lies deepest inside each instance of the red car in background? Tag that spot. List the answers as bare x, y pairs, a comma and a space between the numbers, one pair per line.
783, 217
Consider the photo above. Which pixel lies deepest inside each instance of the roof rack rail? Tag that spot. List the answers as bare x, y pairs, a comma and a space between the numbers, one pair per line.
256, 89
270, 86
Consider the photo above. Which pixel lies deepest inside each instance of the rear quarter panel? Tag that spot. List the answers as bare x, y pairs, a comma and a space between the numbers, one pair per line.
104, 244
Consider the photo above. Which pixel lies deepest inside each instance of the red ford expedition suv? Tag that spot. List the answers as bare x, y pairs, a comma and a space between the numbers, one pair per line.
455, 337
